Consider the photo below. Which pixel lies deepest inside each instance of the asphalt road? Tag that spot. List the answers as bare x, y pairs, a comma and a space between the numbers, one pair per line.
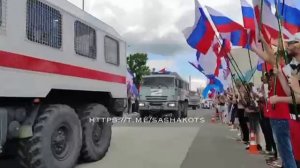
198, 143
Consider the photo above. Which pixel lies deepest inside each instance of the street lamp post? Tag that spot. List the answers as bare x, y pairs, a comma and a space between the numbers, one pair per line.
83, 5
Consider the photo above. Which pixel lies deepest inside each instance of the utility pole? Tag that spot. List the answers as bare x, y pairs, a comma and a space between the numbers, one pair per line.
190, 81
83, 5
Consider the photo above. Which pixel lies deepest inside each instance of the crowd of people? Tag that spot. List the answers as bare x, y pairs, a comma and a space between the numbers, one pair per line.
274, 106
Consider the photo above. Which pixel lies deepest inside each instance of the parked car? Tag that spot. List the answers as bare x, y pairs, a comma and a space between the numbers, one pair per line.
206, 104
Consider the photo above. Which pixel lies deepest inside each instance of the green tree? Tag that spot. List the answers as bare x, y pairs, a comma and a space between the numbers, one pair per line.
137, 65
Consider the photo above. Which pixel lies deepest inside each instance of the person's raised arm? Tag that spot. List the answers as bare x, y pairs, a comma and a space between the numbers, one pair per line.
282, 79
263, 55
269, 50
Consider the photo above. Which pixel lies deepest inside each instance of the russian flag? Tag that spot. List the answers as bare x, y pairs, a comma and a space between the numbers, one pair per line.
290, 12
248, 14
215, 81
197, 66
198, 56
249, 20
201, 35
220, 52
205, 63
239, 38
226, 48
272, 5
270, 29
223, 23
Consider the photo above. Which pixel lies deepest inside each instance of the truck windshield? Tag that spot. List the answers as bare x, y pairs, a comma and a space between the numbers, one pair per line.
159, 82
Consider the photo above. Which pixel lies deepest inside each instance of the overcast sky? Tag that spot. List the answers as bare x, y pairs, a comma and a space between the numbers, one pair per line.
154, 27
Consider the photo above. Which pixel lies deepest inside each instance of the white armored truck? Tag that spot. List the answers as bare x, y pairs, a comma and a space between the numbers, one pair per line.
60, 68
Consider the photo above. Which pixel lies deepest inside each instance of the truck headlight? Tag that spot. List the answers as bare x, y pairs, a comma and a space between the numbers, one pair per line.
142, 104
171, 104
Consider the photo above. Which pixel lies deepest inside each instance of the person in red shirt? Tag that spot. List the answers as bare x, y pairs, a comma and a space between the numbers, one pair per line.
279, 112
293, 73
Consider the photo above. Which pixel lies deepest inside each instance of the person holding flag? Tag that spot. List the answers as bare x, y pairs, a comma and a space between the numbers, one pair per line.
279, 116
292, 71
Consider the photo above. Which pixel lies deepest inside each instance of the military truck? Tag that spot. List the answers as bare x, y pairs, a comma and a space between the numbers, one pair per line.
60, 70
194, 100
164, 93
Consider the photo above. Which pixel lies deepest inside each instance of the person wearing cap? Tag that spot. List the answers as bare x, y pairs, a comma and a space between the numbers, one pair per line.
279, 113
292, 71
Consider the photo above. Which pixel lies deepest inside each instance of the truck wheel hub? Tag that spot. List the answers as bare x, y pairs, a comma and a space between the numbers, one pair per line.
59, 142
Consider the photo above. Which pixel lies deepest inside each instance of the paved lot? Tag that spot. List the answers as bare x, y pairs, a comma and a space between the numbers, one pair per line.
173, 145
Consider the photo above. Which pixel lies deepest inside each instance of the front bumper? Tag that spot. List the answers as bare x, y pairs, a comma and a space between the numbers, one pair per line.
156, 107
194, 104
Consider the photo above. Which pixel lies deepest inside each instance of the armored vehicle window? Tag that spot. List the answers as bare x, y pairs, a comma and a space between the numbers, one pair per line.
44, 24
111, 47
85, 40
159, 82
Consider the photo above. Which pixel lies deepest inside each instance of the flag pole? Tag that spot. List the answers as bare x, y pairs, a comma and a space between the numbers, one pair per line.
234, 63
232, 60
249, 55
262, 44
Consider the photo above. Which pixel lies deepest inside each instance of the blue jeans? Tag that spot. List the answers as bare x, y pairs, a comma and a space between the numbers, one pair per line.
281, 131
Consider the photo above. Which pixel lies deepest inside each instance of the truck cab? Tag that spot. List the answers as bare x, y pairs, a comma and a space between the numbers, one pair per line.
164, 93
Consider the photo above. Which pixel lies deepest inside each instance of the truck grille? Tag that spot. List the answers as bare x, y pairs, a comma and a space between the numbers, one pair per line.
156, 98
156, 104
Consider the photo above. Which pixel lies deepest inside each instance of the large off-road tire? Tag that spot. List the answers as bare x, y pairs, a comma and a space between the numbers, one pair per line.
9, 150
96, 135
178, 113
56, 141
185, 110
144, 114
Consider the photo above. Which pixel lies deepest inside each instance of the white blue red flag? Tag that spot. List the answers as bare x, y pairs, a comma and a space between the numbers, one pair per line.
222, 22
249, 21
205, 63
197, 66
260, 65
221, 51
290, 12
248, 14
201, 35
269, 26
240, 38
272, 5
